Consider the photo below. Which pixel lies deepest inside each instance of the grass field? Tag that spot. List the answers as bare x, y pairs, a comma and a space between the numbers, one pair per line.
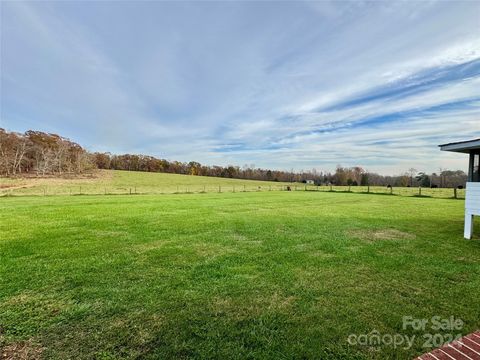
131, 182
230, 276
126, 182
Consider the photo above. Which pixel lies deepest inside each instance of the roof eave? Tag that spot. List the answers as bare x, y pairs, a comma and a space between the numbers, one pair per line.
462, 147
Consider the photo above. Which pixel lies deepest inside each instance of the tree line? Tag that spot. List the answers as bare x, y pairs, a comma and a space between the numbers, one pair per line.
412, 178
39, 153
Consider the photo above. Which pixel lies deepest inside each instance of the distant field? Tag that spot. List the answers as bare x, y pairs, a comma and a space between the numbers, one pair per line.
258, 275
133, 182
124, 182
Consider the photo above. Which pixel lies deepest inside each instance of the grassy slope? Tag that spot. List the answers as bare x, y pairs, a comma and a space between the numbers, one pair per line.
120, 182
124, 182
259, 275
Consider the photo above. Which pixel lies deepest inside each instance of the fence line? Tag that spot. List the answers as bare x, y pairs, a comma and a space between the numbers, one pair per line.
200, 189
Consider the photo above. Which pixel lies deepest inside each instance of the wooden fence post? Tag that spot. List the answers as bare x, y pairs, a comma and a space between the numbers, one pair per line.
455, 193
368, 189
391, 190
331, 187
419, 191
349, 188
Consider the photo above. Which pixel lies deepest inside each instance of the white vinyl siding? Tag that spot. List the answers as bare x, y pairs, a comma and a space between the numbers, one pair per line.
472, 198
472, 207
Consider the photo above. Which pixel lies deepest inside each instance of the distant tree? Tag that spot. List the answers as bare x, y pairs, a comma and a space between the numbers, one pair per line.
412, 172
102, 160
194, 168
340, 176
364, 179
269, 174
453, 178
13, 148
230, 171
41, 153
403, 180
356, 173
423, 179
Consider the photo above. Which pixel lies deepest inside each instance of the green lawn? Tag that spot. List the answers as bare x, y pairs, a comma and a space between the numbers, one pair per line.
232, 275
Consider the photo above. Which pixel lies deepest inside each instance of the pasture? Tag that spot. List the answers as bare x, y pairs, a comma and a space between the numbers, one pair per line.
115, 182
230, 275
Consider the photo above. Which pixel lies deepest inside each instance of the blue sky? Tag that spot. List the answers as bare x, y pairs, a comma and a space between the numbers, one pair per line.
287, 85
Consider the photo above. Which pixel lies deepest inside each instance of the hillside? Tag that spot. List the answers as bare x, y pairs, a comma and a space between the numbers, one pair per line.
122, 182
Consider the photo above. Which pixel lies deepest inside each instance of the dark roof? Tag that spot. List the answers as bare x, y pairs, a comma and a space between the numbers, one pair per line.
461, 146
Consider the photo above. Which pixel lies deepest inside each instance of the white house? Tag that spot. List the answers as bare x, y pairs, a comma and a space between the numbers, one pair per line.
472, 196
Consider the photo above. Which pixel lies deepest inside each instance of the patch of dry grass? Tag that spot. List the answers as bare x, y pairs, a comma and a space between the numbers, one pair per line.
22, 350
380, 234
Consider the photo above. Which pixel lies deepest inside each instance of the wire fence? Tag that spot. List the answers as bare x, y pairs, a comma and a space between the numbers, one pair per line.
200, 189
